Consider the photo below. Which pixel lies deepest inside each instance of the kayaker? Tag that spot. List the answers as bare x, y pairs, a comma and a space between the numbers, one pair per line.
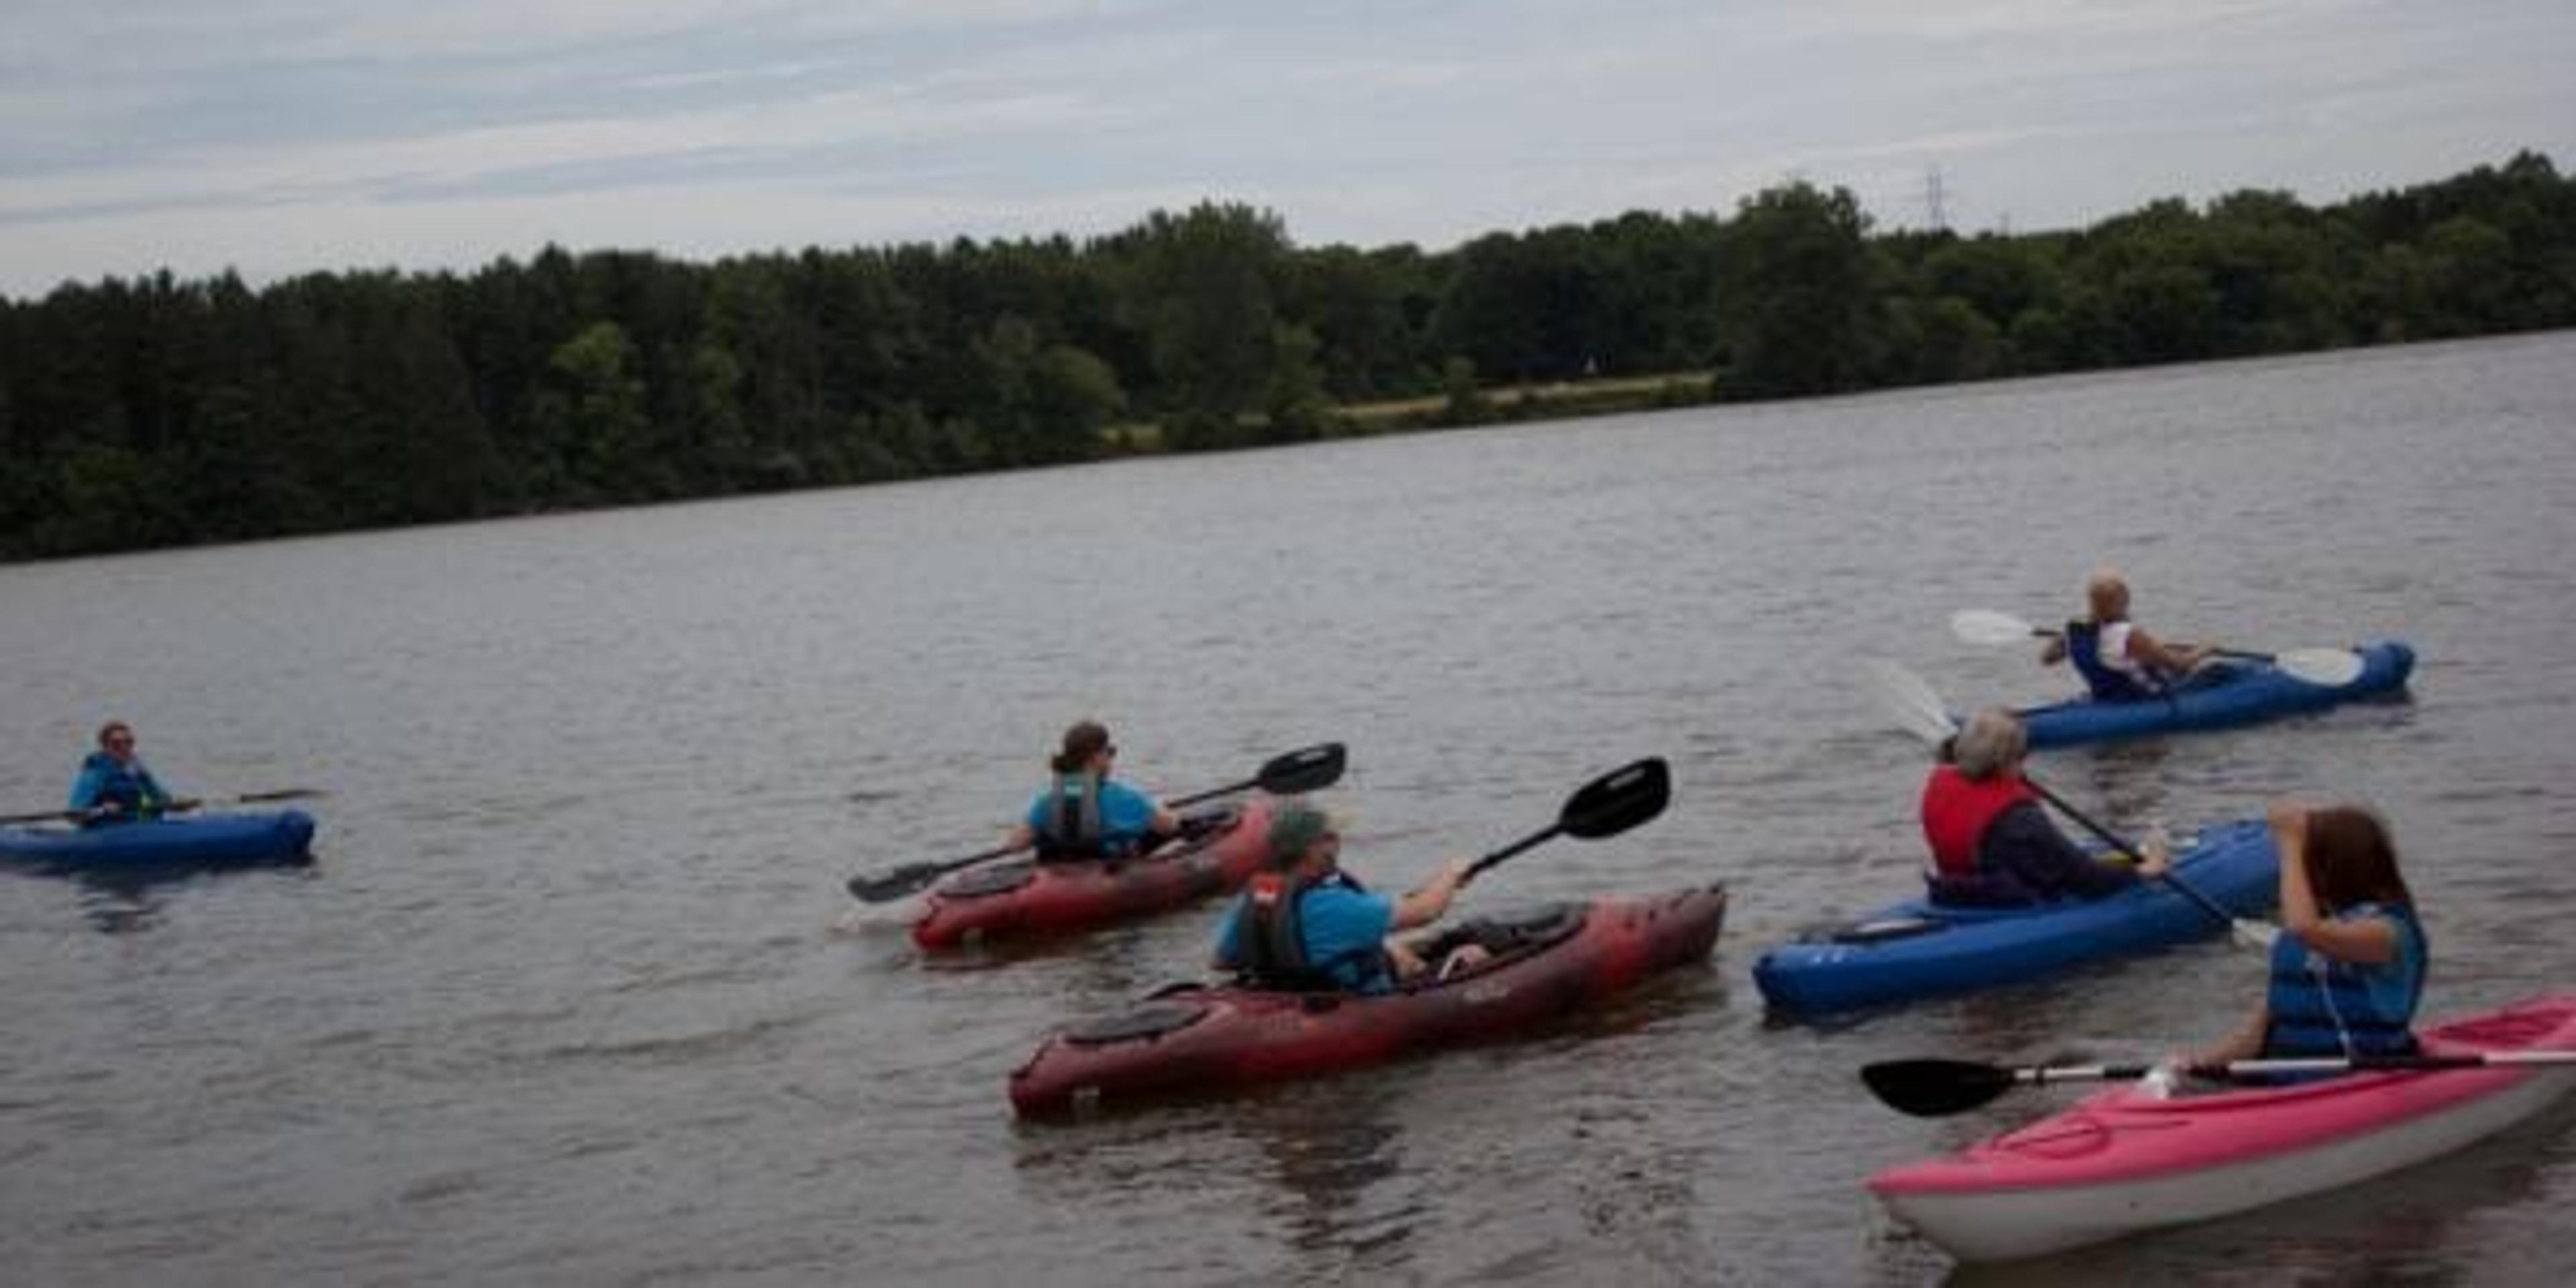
2349, 966
1304, 924
1992, 844
1086, 814
2119, 660
113, 785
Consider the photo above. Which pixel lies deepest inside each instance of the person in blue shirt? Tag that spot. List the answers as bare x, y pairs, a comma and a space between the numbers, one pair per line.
1084, 813
2348, 969
1304, 924
113, 786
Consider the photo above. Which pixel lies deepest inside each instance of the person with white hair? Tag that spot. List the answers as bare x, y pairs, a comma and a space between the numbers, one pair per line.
1992, 844
2119, 660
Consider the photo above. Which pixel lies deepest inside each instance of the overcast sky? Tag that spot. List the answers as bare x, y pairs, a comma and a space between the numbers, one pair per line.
282, 136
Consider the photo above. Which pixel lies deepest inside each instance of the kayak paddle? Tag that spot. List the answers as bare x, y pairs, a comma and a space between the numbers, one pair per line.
1936, 1088
180, 805
1606, 806
1304, 770
1920, 712
2328, 667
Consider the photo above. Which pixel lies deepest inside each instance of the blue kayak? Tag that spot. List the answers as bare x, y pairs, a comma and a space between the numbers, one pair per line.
2240, 693
1919, 949
205, 840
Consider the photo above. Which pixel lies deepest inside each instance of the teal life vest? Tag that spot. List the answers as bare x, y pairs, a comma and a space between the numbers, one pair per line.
2323, 1007
1069, 826
1270, 942
105, 780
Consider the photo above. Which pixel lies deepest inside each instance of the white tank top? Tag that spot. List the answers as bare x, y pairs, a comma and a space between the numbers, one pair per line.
2115, 649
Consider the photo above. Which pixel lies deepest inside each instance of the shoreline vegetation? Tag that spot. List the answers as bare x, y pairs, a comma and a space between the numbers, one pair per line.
1477, 406
154, 412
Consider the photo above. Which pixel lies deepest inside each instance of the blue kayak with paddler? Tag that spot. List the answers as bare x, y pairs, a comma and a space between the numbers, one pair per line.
2238, 688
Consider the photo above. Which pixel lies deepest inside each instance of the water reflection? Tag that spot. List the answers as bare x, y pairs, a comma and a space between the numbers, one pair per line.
1318, 1175
2129, 780
1323, 1167
127, 898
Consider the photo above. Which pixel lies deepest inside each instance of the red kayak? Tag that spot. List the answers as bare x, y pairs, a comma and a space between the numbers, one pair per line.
1219, 852
1548, 963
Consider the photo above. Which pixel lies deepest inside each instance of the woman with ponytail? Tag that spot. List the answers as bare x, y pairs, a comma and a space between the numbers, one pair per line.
1084, 813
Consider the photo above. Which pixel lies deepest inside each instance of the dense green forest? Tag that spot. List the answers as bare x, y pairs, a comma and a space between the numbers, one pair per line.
159, 412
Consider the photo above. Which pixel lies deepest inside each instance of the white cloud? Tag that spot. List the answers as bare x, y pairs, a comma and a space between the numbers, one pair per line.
298, 132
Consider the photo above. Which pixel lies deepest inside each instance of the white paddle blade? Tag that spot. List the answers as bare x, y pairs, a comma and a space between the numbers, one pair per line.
1986, 626
2331, 667
1913, 704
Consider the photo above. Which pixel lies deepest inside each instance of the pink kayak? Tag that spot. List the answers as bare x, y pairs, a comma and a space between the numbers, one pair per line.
2122, 1160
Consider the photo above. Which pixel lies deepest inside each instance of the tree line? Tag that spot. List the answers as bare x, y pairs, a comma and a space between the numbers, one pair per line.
159, 412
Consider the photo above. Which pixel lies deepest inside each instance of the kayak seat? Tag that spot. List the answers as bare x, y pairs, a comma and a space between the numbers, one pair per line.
1508, 937
1201, 827
1151, 1020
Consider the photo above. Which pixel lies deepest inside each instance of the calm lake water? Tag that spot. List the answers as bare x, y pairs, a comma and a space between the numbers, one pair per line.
570, 997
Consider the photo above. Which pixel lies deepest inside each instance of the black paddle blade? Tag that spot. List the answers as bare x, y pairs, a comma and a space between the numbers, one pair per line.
1936, 1088
1311, 769
886, 886
1618, 800
288, 794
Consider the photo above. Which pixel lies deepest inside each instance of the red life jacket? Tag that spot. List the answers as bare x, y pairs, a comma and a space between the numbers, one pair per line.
1957, 812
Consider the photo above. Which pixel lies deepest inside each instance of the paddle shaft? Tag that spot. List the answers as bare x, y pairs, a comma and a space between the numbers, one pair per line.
1937, 1088
1549, 833
179, 805
2237, 1069
1606, 806
1212, 793
2207, 904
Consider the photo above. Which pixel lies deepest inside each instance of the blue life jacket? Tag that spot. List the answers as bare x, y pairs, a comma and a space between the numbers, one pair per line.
105, 780
2323, 1007
2084, 650
1069, 827
1270, 944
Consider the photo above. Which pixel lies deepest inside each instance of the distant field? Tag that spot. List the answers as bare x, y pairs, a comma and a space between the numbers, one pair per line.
1573, 397
1556, 399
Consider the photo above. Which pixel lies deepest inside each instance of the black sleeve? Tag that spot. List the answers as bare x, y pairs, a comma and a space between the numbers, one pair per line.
2025, 843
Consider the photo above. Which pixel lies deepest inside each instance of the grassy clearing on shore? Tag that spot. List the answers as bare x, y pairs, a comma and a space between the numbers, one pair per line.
1499, 404
1555, 397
